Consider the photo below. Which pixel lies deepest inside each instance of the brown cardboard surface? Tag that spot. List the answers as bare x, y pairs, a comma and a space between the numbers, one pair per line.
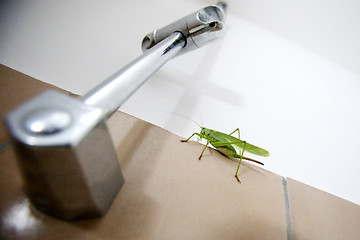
320, 215
168, 193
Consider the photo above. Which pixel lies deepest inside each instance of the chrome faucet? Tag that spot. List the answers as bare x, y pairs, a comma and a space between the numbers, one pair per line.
63, 146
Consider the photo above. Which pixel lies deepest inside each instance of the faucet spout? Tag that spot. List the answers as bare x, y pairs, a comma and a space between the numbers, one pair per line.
63, 141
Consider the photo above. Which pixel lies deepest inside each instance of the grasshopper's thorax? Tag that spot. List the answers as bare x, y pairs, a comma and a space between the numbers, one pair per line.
209, 135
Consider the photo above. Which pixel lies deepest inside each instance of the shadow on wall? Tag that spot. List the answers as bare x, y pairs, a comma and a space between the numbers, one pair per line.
197, 85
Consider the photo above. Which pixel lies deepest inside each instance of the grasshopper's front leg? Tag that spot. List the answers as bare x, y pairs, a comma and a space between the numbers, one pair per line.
185, 140
203, 150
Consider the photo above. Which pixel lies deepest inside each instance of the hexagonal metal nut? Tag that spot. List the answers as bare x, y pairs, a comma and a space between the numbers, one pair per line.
68, 160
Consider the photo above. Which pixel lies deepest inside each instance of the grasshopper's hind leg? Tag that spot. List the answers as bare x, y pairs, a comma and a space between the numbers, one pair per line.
235, 131
241, 157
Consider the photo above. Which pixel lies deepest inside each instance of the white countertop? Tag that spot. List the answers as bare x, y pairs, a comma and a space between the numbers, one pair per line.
287, 74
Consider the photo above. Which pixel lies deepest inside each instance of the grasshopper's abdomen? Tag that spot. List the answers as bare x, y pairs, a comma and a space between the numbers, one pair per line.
227, 150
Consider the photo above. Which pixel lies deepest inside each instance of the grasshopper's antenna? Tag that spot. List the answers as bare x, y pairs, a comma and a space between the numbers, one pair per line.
202, 122
180, 115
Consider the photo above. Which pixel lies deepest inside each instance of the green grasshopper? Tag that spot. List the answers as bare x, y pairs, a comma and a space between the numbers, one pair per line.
227, 145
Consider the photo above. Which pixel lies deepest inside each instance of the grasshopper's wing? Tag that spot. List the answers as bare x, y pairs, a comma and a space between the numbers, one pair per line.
252, 149
225, 139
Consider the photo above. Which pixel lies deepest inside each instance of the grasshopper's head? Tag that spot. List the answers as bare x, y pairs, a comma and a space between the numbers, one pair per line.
205, 131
